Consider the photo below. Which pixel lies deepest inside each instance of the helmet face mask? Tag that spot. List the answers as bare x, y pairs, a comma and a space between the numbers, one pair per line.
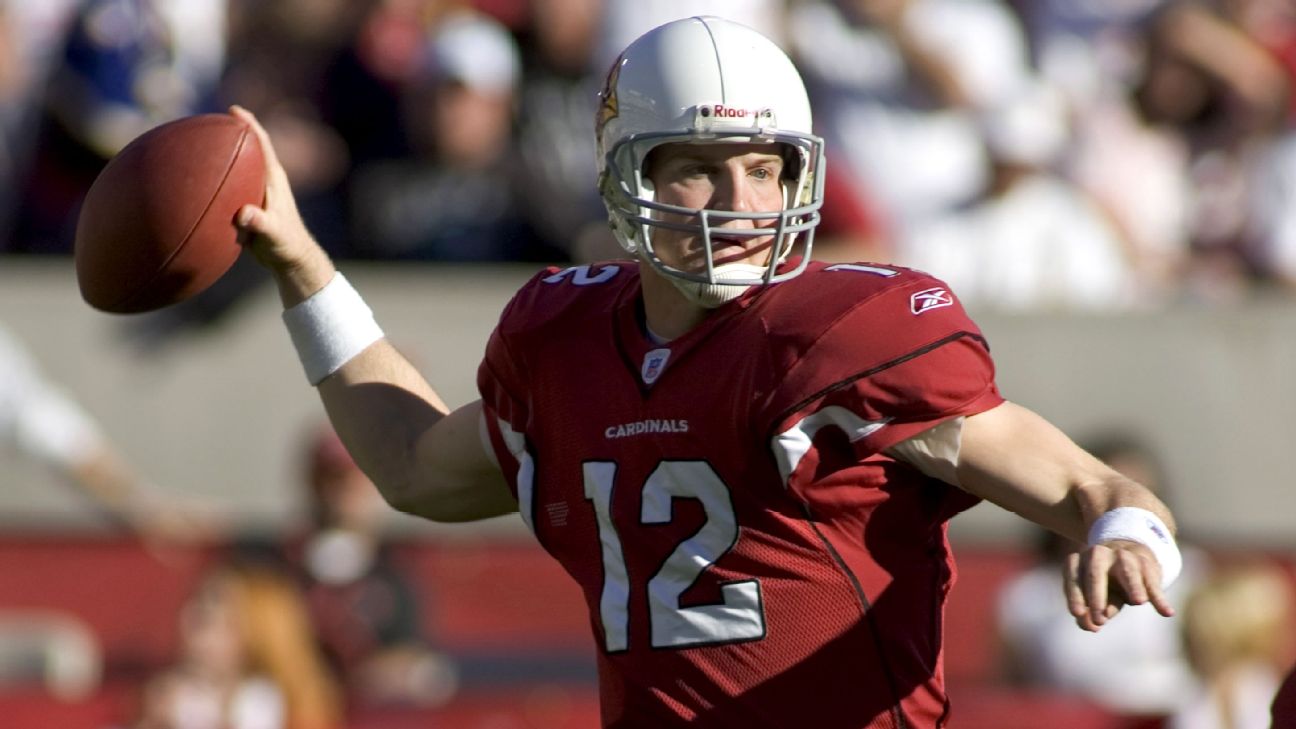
707, 81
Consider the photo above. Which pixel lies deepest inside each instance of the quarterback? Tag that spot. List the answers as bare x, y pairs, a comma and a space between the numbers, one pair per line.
746, 459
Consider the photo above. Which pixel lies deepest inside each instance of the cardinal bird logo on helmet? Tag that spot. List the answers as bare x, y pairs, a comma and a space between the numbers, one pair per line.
608, 108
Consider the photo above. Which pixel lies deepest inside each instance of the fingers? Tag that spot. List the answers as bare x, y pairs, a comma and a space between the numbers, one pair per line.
251, 218
1143, 582
253, 222
274, 230
247, 217
1129, 574
1096, 564
263, 137
1103, 578
1159, 600
1071, 586
278, 192
1139, 575
1077, 599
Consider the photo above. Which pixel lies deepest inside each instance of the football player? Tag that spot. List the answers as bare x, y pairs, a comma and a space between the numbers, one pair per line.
746, 460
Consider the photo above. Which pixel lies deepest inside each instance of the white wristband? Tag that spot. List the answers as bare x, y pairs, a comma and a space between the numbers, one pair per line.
1142, 526
330, 328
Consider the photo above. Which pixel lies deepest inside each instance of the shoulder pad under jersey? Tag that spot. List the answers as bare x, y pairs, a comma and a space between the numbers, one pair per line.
557, 295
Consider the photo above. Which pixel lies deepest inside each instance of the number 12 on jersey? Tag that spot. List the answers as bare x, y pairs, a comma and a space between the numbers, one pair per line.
739, 616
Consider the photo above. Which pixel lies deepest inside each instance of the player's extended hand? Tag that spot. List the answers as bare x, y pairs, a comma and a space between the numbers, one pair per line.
275, 233
1105, 577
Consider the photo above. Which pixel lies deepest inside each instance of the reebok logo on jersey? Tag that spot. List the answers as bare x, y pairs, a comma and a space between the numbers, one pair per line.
929, 299
644, 427
653, 364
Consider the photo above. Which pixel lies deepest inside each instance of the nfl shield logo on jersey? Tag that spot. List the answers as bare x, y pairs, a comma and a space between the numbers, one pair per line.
653, 364
929, 299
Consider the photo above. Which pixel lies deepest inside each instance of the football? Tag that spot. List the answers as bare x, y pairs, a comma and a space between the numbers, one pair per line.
157, 225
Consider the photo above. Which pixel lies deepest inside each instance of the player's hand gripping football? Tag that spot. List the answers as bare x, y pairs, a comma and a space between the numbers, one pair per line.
275, 232
1101, 579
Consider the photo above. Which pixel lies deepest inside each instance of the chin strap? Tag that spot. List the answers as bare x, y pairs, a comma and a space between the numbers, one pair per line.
713, 295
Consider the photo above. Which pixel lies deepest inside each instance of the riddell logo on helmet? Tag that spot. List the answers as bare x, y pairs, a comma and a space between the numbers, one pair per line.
720, 111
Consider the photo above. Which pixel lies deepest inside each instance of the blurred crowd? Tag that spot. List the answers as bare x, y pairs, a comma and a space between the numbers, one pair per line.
293, 633
1035, 153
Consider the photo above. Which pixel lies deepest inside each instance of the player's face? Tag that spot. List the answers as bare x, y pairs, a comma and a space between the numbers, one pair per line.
742, 178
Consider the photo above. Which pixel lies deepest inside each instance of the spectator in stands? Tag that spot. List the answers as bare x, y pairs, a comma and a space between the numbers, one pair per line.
31, 36
279, 60
1034, 240
1238, 634
1136, 665
1209, 81
455, 198
1135, 172
555, 133
1272, 23
360, 89
1271, 175
247, 659
41, 420
622, 21
367, 614
1080, 45
51, 649
127, 66
898, 89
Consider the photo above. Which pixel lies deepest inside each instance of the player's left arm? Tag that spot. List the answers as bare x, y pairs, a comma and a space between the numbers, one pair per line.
1011, 456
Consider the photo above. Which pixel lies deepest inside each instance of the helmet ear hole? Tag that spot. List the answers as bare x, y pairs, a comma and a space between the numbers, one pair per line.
791, 162
649, 162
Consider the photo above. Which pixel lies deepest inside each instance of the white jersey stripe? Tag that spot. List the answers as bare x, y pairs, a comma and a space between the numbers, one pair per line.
516, 443
791, 445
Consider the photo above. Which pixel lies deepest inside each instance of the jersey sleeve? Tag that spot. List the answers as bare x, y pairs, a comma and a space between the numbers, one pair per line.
539, 328
898, 364
505, 399
502, 409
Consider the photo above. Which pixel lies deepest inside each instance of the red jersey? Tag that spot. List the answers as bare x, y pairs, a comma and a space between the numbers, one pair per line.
750, 555
1283, 709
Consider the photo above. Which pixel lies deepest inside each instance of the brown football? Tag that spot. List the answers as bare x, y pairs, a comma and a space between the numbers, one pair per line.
157, 225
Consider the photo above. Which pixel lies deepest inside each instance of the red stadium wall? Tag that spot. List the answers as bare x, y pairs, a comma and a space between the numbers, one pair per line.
501, 601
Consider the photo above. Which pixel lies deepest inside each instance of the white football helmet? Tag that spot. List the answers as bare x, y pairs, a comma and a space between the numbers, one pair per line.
707, 80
